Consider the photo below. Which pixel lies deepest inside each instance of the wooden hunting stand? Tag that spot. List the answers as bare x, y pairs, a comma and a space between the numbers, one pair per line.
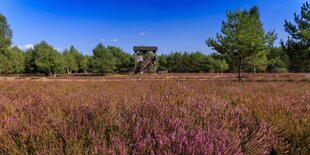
145, 58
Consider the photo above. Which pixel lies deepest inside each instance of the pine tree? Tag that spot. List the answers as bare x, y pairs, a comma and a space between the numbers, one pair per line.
298, 44
242, 37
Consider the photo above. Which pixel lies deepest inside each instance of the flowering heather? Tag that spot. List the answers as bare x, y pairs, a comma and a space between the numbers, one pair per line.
154, 117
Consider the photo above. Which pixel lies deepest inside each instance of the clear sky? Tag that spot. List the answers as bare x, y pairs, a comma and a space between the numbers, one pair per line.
172, 25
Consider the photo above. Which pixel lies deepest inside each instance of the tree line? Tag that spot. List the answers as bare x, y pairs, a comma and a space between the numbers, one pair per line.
45, 59
242, 46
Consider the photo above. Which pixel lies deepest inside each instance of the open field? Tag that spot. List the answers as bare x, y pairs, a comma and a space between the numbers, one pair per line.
156, 114
247, 77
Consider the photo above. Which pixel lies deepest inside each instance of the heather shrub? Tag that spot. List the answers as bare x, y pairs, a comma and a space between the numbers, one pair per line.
170, 117
201, 127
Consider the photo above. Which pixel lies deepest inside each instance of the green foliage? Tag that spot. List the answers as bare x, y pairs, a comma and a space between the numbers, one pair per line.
297, 46
5, 64
174, 63
300, 31
85, 64
5, 43
277, 60
91, 64
18, 60
12, 61
30, 62
124, 61
196, 62
70, 63
5, 34
276, 65
78, 57
278, 52
104, 61
257, 62
242, 36
48, 60
216, 65
162, 62
299, 55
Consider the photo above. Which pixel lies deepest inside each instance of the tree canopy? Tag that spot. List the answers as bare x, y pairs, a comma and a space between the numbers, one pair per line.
242, 36
47, 59
70, 62
297, 46
195, 62
104, 61
5, 43
5, 33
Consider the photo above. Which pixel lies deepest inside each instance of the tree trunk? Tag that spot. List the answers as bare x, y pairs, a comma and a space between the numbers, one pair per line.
253, 66
239, 69
255, 70
68, 71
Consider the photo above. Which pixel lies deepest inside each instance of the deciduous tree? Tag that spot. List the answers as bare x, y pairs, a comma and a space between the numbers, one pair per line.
123, 61
17, 59
104, 61
70, 62
78, 58
5, 43
277, 60
48, 60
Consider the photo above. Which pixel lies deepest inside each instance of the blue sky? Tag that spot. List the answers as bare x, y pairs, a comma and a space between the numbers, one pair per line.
172, 25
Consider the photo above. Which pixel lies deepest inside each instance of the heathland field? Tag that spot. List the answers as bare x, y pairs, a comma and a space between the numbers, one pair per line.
156, 114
